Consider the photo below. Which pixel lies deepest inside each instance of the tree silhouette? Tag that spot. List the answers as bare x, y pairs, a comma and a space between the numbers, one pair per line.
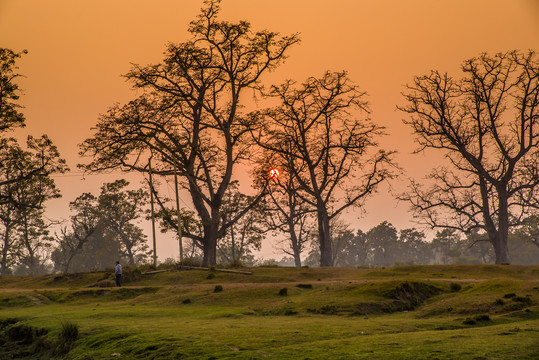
486, 124
189, 114
284, 209
27, 186
10, 116
326, 149
119, 210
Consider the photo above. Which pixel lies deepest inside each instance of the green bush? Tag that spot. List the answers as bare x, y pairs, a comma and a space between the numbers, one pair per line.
217, 288
69, 333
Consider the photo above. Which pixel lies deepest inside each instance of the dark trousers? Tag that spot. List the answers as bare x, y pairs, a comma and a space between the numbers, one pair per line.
118, 279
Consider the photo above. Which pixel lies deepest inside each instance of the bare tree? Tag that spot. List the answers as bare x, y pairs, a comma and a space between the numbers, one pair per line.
284, 209
330, 149
190, 114
486, 124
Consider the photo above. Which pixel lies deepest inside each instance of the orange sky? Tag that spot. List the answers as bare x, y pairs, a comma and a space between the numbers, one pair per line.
79, 48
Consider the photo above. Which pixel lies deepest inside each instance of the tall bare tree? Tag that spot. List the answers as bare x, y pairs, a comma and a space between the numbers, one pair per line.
317, 127
487, 126
190, 113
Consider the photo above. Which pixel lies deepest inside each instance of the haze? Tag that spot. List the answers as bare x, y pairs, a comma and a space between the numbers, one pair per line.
78, 51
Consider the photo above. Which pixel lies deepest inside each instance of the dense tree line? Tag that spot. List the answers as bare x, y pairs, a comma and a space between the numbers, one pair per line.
384, 245
190, 121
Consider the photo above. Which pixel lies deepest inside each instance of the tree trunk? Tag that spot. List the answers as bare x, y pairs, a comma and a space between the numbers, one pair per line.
68, 263
296, 251
326, 253
210, 245
31, 261
500, 249
5, 250
500, 242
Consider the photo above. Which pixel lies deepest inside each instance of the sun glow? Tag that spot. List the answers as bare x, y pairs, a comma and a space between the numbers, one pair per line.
274, 173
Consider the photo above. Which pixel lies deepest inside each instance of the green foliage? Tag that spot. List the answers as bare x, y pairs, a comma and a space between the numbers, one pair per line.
69, 333
217, 288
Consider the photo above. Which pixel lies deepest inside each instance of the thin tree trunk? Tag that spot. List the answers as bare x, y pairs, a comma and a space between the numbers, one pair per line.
5, 250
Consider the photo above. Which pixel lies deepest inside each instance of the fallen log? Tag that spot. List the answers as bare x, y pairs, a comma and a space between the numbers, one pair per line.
221, 270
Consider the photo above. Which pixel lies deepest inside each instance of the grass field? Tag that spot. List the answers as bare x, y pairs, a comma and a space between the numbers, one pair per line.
413, 312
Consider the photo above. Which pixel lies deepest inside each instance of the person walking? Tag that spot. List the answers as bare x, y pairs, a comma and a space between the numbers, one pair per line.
118, 273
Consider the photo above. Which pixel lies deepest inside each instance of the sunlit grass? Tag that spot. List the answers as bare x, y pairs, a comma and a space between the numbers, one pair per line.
335, 314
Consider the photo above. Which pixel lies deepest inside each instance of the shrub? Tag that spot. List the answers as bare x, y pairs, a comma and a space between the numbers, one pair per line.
68, 334
475, 319
522, 299
482, 317
217, 288
21, 333
499, 302
283, 292
289, 312
305, 286
455, 287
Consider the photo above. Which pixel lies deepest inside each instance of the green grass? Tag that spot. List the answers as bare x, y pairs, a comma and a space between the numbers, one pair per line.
413, 312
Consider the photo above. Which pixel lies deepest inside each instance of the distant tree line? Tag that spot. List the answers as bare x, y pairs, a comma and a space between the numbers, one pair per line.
384, 245
190, 121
